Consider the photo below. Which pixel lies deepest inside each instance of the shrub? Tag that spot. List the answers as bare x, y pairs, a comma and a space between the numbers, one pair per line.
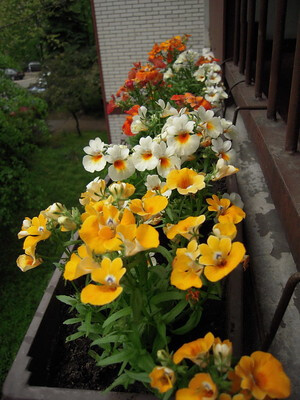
22, 127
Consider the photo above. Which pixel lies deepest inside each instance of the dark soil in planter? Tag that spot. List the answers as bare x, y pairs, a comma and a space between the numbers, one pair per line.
70, 366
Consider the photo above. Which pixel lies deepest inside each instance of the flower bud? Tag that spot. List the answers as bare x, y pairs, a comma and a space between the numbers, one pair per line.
222, 354
66, 223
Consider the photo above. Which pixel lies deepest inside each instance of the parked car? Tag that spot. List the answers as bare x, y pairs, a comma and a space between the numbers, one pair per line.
34, 66
14, 74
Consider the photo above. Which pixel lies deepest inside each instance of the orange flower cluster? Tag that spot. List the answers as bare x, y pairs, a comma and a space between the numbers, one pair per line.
166, 51
126, 128
188, 99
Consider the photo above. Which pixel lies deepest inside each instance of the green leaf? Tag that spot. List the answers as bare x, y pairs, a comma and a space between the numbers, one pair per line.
171, 315
74, 336
109, 339
71, 321
138, 376
171, 295
123, 380
136, 303
120, 356
165, 253
71, 301
192, 322
117, 315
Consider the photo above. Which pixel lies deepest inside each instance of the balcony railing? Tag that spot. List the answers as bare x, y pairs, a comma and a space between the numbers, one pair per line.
260, 50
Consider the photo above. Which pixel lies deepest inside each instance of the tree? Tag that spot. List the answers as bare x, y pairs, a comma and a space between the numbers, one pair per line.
72, 80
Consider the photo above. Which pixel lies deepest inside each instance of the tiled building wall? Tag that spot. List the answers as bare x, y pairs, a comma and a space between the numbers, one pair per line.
127, 30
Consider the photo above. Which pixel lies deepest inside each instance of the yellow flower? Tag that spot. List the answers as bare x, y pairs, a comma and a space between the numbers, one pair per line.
201, 387
226, 212
80, 264
36, 232
137, 238
99, 231
238, 396
196, 351
162, 379
263, 375
227, 229
28, 260
185, 180
186, 270
148, 207
108, 276
220, 257
186, 228
121, 190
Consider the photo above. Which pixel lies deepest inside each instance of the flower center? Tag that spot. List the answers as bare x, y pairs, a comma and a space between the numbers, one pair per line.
119, 164
110, 280
185, 182
147, 156
183, 137
97, 157
41, 229
164, 162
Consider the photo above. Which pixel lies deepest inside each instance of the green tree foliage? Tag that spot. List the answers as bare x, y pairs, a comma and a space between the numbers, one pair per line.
31, 29
22, 125
73, 82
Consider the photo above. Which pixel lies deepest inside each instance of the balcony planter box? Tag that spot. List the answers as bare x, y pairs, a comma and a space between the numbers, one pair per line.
28, 376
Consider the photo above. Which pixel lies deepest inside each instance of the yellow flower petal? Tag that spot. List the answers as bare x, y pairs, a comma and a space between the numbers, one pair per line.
99, 295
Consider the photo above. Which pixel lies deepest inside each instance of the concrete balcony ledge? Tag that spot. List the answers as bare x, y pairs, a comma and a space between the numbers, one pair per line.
281, 169
271, 261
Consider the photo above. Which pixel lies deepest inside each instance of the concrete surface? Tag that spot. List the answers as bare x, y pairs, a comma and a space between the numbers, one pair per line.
29, 79
271, 262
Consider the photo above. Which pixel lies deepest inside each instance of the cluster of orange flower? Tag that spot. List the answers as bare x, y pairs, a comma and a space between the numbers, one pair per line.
167, 50
258, 376
188, 99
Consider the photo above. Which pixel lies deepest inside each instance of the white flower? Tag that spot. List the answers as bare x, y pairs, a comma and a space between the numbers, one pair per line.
95, 159
223, 149
223, 169
214, 94
209, 125
180, 136
53, 211
167, 160
213, 78
230, 131
168, 74
143, 157
122, 166
235, 199
207, 53
167, 110
184, 58
153, 183
200, 74
138, 121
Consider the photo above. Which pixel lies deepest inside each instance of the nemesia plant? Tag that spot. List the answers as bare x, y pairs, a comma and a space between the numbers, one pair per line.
154, 238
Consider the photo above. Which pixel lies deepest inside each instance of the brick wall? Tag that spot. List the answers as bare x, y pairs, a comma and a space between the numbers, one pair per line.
127, 30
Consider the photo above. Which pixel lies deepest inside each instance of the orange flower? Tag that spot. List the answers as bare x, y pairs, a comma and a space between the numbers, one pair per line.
220, 257
162, 379
263, 375
196, 351
201, 387
148, 73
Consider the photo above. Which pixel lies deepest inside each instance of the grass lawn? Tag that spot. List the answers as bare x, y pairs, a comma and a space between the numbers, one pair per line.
57, 175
